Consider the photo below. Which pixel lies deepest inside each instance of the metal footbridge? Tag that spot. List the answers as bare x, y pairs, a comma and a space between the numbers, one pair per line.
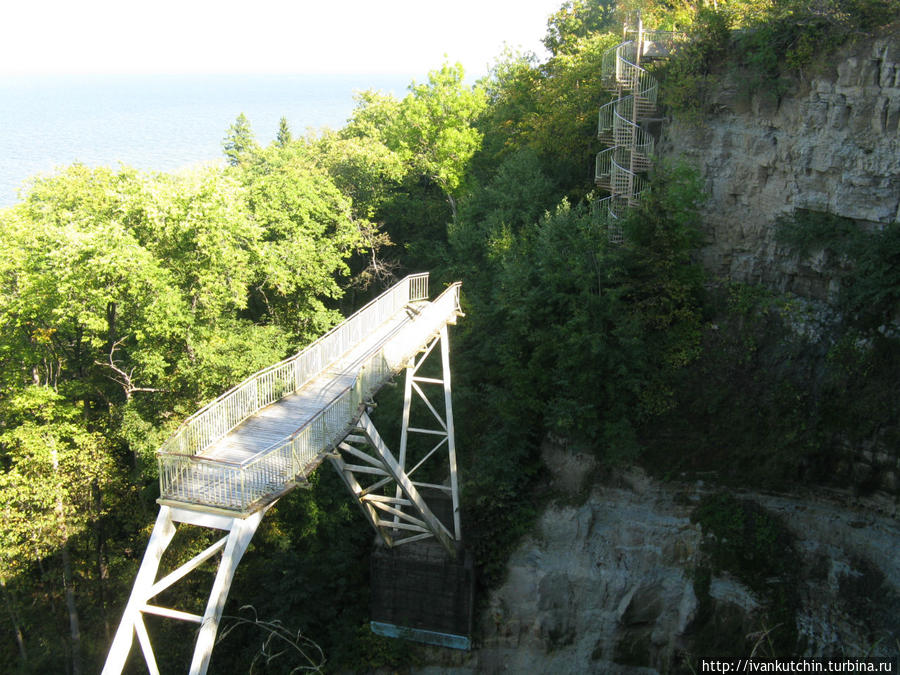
227, 464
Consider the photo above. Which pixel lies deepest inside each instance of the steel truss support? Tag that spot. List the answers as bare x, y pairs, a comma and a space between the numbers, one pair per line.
233, 545
370, 470
391, 500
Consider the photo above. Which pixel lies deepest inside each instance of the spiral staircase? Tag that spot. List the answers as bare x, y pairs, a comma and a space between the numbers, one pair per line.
620, 168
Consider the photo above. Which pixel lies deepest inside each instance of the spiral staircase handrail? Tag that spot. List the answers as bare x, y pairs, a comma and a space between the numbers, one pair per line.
618, 168
627, 133
608, 69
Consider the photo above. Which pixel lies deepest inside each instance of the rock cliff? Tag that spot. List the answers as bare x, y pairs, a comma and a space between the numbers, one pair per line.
830, 143
622, 582
611, 585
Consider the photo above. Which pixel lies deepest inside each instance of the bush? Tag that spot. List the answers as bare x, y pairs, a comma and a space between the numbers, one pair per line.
760, 43
752, 544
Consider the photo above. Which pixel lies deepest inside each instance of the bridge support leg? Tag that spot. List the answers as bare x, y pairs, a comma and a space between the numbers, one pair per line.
132, 621
402, 515
234, 544
451, 435
444, 434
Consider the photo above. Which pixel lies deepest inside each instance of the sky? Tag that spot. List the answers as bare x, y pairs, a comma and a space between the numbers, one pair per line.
264, 36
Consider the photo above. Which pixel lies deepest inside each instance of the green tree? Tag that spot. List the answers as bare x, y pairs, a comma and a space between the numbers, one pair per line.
52, 466
578, 19
431, 129
126, 300
512, 93
82, 287
550, 108
517, 195
565, 333
569, 94
363, 168
431, 132
366, 171
283, 137
307, 234
115, 269
373, 117
435, 130
240, 143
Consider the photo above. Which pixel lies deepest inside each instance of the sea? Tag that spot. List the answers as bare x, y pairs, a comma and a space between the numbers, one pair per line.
159, 122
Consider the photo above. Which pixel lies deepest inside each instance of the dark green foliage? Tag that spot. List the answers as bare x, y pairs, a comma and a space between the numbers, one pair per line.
760, 44
763, 405
499, 505
859, 407
517, 195
867, 263
849, 396
283, 137
743, 407
747, 541
690, 75
308, 567
188, 283
564, 334
550, 108
417, 215
240, 144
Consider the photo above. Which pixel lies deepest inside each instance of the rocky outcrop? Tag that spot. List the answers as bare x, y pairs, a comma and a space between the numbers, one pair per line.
613, 585
830, 143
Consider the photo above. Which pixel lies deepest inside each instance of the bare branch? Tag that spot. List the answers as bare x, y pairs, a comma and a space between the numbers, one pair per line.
122, 378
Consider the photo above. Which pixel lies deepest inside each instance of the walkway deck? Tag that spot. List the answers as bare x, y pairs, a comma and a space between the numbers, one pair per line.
263, 437
280, 420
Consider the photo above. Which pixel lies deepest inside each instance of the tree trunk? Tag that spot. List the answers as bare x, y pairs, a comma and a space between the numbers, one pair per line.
452, 206
101, 561
14, 619
74, 631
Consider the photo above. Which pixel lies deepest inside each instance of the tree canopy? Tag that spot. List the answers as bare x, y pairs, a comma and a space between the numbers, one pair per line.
130, 298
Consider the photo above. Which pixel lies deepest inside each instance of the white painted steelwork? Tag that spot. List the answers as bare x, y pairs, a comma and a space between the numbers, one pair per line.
618, 168
231, 461
218, 417
210, 461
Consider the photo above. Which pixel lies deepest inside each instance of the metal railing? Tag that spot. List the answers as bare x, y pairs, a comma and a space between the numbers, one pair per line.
659, 43
239, 485
618, 167
603, 168
615, 126
608, 70
223, 414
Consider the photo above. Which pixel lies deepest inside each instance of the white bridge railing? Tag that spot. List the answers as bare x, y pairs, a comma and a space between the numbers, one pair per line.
186, 477
223, 414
